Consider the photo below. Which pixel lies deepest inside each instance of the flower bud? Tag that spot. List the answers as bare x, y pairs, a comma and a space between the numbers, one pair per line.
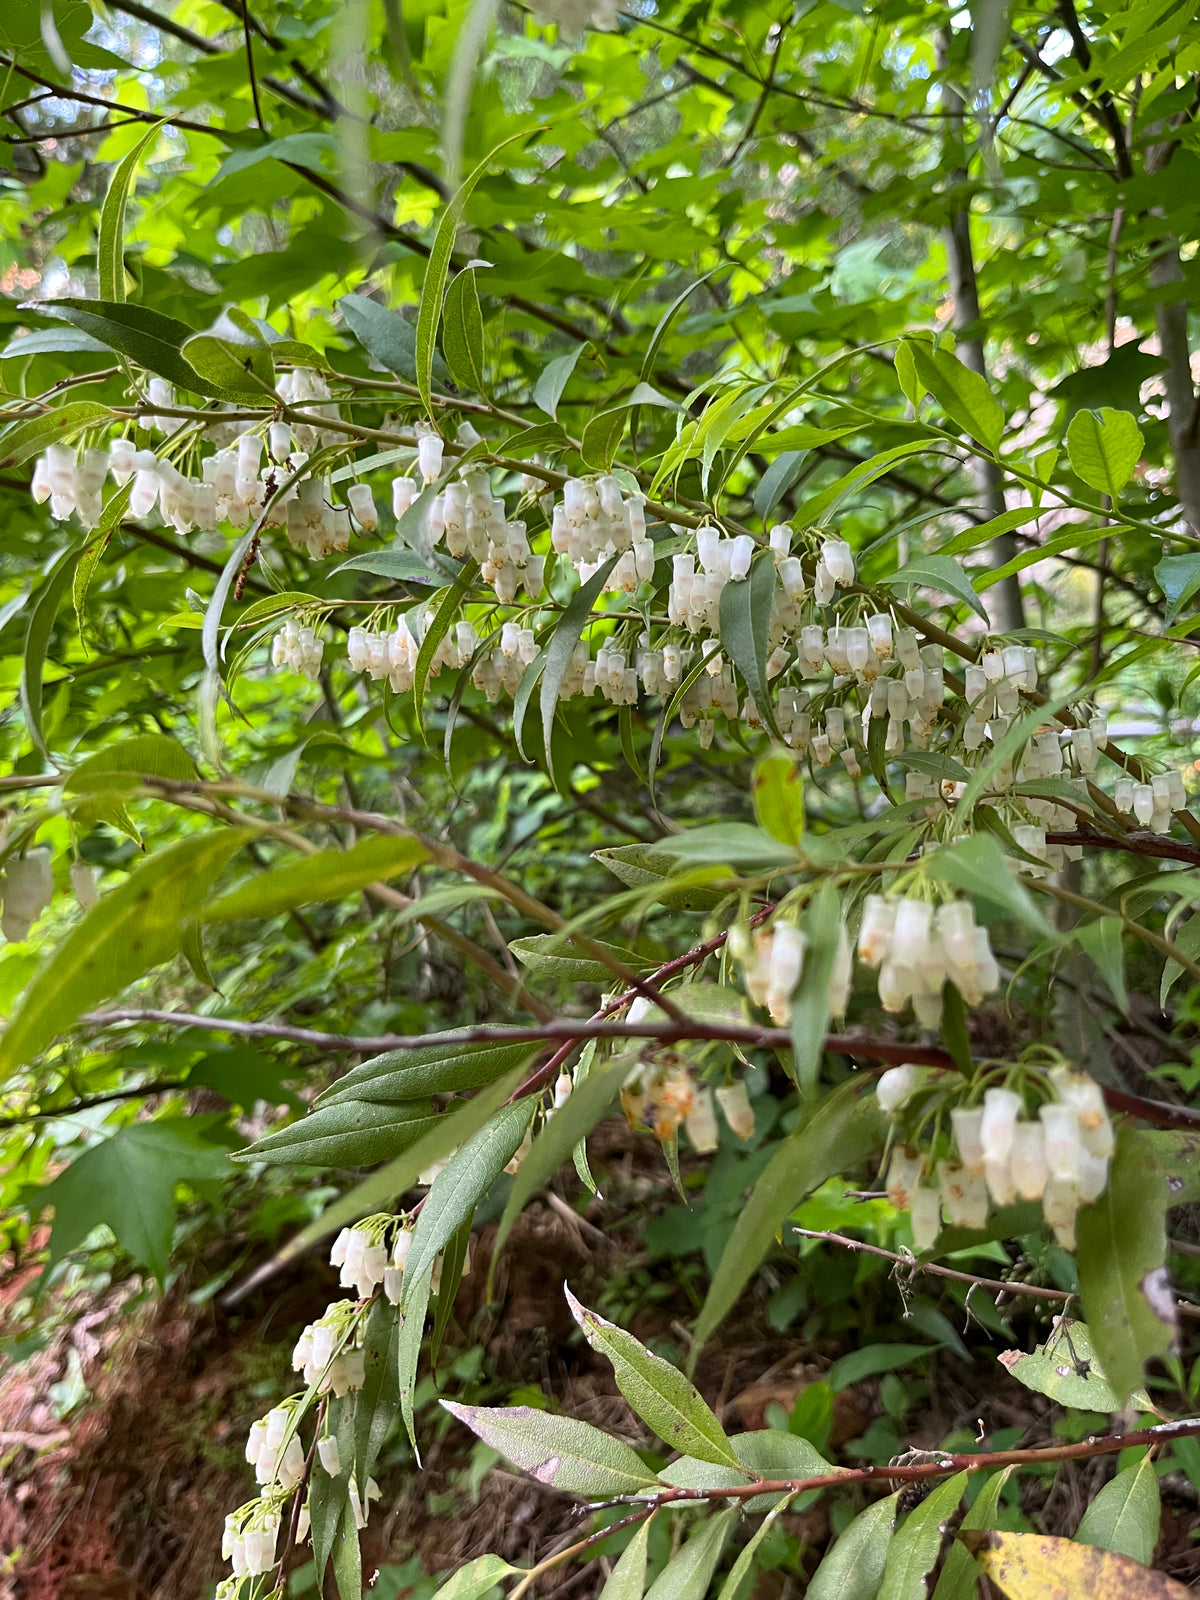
734, 1101
926, 1217
896, 1085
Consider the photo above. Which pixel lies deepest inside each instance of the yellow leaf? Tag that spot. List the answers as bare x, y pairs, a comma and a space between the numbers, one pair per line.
1027, 1566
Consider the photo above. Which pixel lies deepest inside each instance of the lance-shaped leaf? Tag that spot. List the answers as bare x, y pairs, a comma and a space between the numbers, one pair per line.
959, 1575
561, 1452
552, 955
110, 240
379, 1394
151, 339
408, 1349
134, 927
566, 636
1031, 1566
473, 1580
851, 1570
462, 332
433, 1069
942, 573
778, 793
20, 441
840, 1133
463, 1182
327, 1495
42, 616
915, 1548
1123, 1280
436, 629
1124, 1517
962, 394
327, 875
658, 1392
745, 618
689, 1572
352, 1133
627, 1580
1067, 1369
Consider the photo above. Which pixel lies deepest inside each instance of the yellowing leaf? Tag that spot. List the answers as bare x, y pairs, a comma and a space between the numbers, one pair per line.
1027, 1566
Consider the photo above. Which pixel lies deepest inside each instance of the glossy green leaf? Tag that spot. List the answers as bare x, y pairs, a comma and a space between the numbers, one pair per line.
689, 1572
853, 1567
136, 926
408, 1350
976, 864
939, 572
659, 1393
963, 395
1178, 577
433, 1069
959, 1579
839, 1134
327, 875
379, 1396
916, 1545
386, 337
1104, 447
1101, 938
349, 1133
561, 1452
150, 338
552, 955
1123, 1281
42, 617
778, 791
1124, 1517
746, 629
21, 441
110, 243
462, 332
566, 636
463, 1182
553, 379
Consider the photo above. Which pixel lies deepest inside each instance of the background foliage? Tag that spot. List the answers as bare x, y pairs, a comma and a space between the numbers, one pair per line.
713, 246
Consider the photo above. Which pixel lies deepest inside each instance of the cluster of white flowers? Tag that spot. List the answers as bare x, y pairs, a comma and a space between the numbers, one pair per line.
394, 655
298, 647
917, 947
772, 959
503, 668
27, 885
594, 522
1151, 803
250, 1541
1061, 1158
321, 1355
273, 1460
472, 522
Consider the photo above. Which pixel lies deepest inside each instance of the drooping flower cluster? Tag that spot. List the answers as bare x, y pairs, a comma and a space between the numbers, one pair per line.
298, 646
1151, 803
250, 1541
917, 947
1060, 1158
772, 959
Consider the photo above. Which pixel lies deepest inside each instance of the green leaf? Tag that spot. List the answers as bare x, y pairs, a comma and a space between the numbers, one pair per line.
347, 1557
959, 1578
386, 336
942, 573
454, 1261
444, 1134
437, 270
20, 441
1186, 939
462, 332
778, 791
327, 1496
552, 380
627, 1580
121, 766
739, 845
463, 1182
402, 566
472, 1581
775, 482
561, 1452
433, 1069
732, 1588
128, 1181
1067, 1369
822, 506
642, 867
915, 1548
551, 955
1104, 447
745, 618
1101, 938
963, 395
1124, 1517
327, 875
870, 1360
42, 617
659, 1393
233, 357
149, 338
436, 629
1121, 1255
978, 865
350, 1133
839, 1134
136, 926
110, 262
822, 923
852, 1569
906, 374
689, 1571
558, 1136
379, 1395
1178, 578
566, 636
408, 1350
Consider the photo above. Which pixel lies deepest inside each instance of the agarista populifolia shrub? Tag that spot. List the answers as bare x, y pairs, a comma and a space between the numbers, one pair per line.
401, 528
